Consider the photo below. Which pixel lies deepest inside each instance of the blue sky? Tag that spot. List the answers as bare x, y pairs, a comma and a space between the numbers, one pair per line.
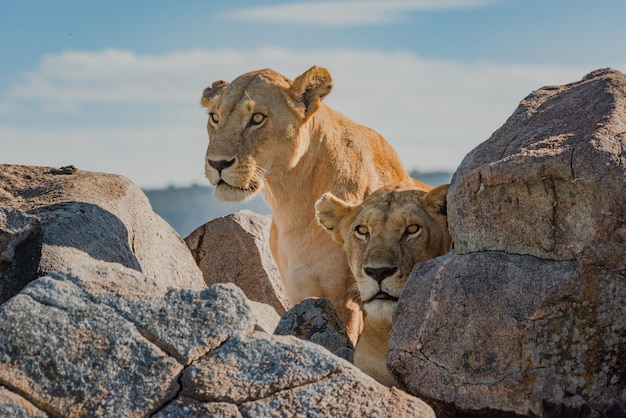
114, 85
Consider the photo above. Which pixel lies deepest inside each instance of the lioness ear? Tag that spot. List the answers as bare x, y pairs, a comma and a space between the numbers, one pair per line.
310, 88
330, 212
436, 200
210, 93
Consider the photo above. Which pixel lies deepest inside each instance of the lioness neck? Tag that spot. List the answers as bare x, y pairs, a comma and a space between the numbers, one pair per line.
341, 157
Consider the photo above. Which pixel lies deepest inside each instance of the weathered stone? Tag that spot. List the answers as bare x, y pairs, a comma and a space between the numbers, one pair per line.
285, 376
266, 317
473, 330
184, 407
88, 216
79, 358
14, 406
315, 320
102, 339
525, 318
20, 249
551, 181
184, 323
235, 249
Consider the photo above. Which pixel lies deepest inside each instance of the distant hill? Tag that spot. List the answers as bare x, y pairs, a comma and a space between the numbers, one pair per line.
187, 208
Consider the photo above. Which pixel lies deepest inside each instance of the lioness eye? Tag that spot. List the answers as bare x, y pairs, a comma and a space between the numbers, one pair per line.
412, 229
257, 118
214, 118
361, 230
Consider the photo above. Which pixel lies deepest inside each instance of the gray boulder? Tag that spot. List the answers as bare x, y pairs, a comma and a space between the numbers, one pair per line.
315, 320
235, 249
105, 340
526, 316
20, 250
82, 217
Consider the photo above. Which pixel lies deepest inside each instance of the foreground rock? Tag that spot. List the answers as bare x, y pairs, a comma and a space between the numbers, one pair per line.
53, 219
235, 249
526, 317
105, 340
315, 320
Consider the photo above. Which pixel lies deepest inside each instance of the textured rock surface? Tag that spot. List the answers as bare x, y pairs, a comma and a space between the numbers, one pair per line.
71, 356
284, 376
315, 320
88, 216
20, 249
13, 405
105, 340
526, 317
235, 249
558, 164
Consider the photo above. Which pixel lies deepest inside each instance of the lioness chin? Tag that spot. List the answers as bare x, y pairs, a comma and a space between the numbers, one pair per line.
383, 238
272, 135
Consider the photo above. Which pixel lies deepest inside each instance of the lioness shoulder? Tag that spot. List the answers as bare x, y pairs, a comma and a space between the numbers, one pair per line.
383, 238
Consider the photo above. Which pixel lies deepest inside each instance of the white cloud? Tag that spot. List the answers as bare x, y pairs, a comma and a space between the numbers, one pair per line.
432, 111
346, 12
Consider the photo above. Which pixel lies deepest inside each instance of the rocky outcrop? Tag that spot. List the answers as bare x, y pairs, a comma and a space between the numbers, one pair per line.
526, 316
105, 340
108, 315
235, 249
53, 219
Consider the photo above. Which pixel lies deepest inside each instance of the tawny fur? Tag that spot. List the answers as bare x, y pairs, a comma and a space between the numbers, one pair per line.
279, 137
394, 228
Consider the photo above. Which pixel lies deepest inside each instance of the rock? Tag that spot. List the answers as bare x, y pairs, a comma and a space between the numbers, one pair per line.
20, 249
75, 357
558, 165
315, 320
266, 317
235, 249
183, 407
86, 216
13, 405
106, 340
285, 376
525, 317
182, 314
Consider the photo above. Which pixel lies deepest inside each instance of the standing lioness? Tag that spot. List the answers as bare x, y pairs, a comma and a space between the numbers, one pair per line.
269, 133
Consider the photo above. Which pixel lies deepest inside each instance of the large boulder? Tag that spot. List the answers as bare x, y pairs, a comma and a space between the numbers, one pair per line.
105, 340
526, 316
551, 181
235, 249
53, 219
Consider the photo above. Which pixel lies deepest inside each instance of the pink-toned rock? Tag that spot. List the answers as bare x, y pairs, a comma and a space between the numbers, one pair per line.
235, 249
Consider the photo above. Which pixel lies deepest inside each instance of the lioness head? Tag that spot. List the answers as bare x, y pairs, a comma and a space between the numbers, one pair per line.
385, 236
253, 127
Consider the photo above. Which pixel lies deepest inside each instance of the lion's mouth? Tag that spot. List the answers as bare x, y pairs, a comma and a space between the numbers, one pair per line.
382, 296
250, 188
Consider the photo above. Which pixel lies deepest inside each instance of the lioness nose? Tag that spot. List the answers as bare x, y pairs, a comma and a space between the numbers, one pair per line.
380, 273
221, 164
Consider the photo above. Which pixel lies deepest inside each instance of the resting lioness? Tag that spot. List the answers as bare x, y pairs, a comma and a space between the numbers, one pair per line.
383, 238
269, 133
